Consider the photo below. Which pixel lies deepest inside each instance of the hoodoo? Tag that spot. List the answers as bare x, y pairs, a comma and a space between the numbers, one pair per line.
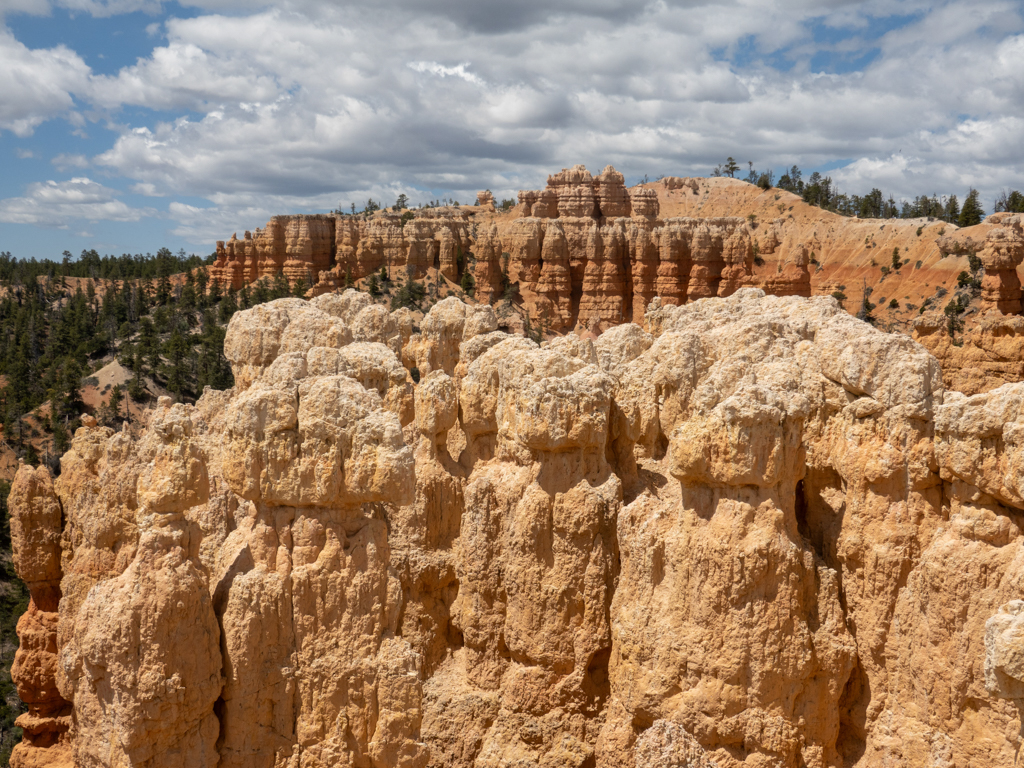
753, 531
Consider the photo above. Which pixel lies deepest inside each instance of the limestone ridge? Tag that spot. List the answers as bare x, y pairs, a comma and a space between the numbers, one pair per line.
754, 532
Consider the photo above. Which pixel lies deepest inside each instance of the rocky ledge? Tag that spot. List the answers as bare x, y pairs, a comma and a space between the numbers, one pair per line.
755, 532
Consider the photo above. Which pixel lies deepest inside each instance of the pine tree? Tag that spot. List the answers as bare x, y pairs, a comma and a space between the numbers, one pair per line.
163, 290
952, 211
215, 294
115, 400
228, 306
972, 213
468, 284
281, 288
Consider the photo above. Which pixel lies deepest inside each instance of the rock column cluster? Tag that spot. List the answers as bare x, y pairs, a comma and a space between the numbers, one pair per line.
753, 532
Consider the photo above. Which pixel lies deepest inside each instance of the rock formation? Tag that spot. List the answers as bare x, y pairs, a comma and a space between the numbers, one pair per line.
1002, 254
988, 353
755, 532
36, 542
586, 273
485, 199
793, 277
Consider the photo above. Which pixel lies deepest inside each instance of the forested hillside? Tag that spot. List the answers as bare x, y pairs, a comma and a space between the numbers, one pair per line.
157, 316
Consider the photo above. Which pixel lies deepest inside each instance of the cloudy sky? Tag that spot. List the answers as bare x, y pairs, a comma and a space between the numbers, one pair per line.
127, 125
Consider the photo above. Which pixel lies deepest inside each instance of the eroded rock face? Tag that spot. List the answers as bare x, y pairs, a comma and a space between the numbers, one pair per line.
35, 539
988, 354
755, 532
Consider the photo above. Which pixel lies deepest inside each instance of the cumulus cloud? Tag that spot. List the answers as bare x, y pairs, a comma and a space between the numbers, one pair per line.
307, 104
36, 85
57, 203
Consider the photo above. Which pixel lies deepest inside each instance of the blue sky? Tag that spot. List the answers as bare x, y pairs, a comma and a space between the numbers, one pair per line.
129, 125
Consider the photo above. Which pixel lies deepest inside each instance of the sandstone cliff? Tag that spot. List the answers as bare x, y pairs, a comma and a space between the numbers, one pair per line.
755, 532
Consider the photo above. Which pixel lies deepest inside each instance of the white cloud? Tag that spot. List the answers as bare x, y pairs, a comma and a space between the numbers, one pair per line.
56, 203
442, 71
63, 161
307, 104
36, 85
24, 154
142, 188
33, 7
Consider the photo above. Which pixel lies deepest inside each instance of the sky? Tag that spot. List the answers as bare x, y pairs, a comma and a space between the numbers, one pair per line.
131, 125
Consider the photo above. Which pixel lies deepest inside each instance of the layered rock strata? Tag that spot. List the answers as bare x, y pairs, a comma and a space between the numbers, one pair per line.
793, 277
756, 532
329, 252
1002, 254
988, 353
617, 268
609, 255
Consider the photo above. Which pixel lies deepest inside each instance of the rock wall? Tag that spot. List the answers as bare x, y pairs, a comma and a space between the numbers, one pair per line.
755, 532
987, 354
329, 252
609, 254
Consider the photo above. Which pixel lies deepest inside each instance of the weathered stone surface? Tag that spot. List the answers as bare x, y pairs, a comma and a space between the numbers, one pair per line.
613, 200
1002, 254
35, 538
794, 277
756, 532
987, 354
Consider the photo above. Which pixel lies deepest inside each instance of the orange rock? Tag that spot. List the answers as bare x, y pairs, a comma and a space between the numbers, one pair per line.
575, 189
795, 277
673, 262
270, 249
644, 202
36, 522
603, 288
1002, 253
612, 198
554, 283
485, 200
758, 533
643, 259
541, 204
487, 270
309, 247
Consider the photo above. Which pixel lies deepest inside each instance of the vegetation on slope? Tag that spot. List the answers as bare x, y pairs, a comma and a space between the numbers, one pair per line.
822, 192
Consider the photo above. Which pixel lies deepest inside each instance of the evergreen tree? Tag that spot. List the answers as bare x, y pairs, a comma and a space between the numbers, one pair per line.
260, 292
163, 290
215, 294
972, 212
951, 212
228, 306
281, 288
115, 401
202, 280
